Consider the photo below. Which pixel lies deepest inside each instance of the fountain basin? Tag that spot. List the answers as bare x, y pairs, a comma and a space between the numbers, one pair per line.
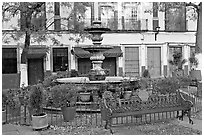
108, 79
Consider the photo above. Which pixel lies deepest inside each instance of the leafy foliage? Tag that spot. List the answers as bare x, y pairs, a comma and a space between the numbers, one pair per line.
194, 61
177, 61
166, 85
13, 101
38, 98
64, 95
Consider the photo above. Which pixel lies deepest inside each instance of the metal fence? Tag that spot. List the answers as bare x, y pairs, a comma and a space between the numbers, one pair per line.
88, 114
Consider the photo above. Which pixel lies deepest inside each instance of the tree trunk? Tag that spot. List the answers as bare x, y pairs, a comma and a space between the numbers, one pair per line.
199, 31
27, 39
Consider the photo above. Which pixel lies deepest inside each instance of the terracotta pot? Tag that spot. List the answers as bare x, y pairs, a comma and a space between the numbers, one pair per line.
68, 113
85, 96
39, 121
3, 116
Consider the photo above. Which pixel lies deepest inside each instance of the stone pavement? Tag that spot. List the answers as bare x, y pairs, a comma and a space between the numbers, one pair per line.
11, 129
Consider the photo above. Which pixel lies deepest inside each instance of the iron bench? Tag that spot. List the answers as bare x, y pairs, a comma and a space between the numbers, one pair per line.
112, 107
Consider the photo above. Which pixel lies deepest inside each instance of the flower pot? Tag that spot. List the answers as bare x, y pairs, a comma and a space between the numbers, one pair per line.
68, 113
39, 121
85, 96
3, 116
127, 94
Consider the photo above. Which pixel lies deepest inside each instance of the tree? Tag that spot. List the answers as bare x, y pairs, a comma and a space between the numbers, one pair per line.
198, 10
32, 13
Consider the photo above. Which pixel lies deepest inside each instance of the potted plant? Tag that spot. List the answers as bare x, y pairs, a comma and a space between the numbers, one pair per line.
195, 74
4, 104
38, 100
65, 96
178, 63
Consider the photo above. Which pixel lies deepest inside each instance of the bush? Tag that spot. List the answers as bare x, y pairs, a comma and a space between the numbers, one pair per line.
38, 98
64, 95
13, 99
166, 85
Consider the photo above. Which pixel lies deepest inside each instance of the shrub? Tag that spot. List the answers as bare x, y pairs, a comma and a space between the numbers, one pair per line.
166, 85
38, 98
13, 99
64, 95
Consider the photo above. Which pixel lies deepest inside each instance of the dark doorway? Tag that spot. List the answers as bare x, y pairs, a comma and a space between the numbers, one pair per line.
35, 71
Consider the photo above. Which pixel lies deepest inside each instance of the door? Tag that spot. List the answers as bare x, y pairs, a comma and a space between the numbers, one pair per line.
154, 61
132, 61
35, 71
110, 65
84, 65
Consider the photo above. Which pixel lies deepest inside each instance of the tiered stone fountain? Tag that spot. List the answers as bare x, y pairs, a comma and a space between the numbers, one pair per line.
97, 75
97, 50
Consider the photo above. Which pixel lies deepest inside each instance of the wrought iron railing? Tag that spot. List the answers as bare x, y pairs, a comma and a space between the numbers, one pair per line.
89, 114
112, 23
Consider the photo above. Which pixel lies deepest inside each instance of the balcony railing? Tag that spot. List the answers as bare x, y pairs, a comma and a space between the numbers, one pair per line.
111, 23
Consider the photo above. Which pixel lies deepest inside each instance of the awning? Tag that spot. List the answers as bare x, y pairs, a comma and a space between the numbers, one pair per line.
81, 53
36, 52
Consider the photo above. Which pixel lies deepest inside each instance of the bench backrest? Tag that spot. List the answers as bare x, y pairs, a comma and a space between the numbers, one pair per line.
153, 102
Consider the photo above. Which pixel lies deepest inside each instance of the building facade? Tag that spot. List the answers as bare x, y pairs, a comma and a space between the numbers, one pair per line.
144, 36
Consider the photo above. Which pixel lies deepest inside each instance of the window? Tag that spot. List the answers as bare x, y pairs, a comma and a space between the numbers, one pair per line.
175, 16
57, 23
60, 59
9, 60
131, 18
155, 15
108, 14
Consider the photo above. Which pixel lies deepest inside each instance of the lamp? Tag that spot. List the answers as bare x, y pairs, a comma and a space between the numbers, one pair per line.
157, 32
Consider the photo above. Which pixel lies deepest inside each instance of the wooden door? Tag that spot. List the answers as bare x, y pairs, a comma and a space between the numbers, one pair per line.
110, 65
132, 61
84, 65
35, 71
154, 61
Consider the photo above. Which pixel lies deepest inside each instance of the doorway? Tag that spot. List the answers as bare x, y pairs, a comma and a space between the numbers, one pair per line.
35, 71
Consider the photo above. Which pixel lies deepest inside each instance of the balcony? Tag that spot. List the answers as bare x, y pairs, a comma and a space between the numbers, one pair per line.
114, 24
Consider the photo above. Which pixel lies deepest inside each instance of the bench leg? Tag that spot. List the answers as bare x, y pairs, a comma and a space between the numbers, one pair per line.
108, 123
189, 116
180, 117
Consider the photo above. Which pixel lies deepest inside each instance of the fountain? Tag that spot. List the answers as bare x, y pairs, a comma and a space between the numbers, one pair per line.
97, 75
97, 50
